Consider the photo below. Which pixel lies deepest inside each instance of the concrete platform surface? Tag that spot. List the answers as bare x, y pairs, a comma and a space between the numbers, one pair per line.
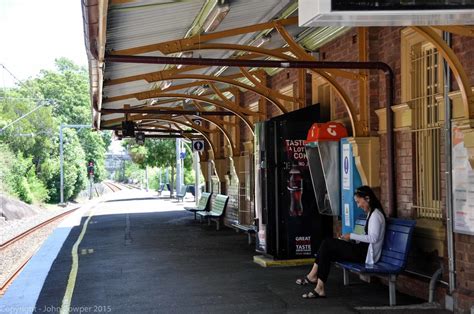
141, 254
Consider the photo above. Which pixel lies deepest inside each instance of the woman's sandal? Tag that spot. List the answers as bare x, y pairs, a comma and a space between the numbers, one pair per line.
313, 295
304, 281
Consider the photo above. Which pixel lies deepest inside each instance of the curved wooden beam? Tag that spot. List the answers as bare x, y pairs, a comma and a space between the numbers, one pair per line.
225, 100
223, 130
301, 53
173, 46
194, 127
233, 109
455, 65
462, 30
262, 92
249, 75
187, 68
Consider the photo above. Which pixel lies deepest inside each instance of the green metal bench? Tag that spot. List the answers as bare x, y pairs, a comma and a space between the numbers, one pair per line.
248, 229
203, 204
218, 207
182, 193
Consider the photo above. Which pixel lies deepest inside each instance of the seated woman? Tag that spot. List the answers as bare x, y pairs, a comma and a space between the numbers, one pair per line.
366, 247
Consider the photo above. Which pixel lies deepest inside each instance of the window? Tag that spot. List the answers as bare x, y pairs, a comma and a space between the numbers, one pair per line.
425, 85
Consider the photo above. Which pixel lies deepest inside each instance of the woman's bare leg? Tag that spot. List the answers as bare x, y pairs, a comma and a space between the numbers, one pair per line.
320, 288
313, 274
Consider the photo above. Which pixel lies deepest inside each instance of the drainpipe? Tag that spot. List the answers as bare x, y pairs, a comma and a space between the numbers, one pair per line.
389, 84
433, 281
449, 167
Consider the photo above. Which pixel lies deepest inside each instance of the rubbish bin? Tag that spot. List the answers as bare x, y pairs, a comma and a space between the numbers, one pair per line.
191, 189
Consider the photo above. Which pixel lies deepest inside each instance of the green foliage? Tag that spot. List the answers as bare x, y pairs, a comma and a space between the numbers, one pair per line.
138, 153
69, 88
7, 159
95, 149
23, 183
53, 97
133, 172
161, 153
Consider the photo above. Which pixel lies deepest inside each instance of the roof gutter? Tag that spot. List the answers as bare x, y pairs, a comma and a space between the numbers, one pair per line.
389, 83
94, 15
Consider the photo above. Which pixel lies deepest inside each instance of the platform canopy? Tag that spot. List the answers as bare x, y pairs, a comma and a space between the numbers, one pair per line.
162, 97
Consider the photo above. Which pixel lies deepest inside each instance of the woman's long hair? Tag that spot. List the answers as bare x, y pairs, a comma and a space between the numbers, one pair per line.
374, 203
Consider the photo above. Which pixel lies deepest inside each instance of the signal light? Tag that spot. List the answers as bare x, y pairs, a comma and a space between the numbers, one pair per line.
140, 138
90, 168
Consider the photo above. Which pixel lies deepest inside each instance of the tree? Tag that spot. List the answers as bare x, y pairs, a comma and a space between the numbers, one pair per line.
69, 88
162, 153
74, 167
95, 149
34, 139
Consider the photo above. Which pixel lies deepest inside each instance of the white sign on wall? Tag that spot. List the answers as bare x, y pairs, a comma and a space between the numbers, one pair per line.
346, 177
347, 215
463, 186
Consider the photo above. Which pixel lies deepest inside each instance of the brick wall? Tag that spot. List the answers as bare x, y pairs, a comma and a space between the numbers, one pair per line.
464, 244
343, 49
404, 171
384, 46
464, 49
232, 211
280, 80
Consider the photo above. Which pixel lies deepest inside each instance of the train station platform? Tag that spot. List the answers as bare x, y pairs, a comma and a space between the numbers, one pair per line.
144, 254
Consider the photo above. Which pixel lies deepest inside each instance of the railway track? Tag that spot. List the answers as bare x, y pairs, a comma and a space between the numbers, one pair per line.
28, 239
113, 186
15, 246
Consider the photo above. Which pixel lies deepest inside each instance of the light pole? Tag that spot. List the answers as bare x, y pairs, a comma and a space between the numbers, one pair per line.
61, 155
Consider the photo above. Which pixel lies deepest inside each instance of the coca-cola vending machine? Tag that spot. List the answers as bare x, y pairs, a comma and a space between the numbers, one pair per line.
288, 220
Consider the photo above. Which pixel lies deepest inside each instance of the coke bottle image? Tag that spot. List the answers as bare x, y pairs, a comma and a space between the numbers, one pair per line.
295, 186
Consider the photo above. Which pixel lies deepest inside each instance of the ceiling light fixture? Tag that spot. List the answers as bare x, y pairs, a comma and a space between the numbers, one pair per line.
165, 84
215, 17
262, 40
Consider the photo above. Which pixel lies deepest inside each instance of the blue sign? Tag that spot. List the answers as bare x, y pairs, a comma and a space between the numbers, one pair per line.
198, 145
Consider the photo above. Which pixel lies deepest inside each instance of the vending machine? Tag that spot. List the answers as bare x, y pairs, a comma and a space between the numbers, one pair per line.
288, 220
350, 180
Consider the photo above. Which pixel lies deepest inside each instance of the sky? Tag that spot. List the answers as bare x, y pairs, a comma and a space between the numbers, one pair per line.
33, 33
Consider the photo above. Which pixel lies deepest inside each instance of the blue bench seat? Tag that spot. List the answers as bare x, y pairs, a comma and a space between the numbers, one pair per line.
397, 241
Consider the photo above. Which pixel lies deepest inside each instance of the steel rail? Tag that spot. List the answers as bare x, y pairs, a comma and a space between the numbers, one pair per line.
12, 241
9, 242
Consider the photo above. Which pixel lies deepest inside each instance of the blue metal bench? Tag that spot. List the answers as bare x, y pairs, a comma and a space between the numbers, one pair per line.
398, 234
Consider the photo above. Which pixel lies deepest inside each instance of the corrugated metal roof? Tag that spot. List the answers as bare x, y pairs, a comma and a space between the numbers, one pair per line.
144, 22
150, 24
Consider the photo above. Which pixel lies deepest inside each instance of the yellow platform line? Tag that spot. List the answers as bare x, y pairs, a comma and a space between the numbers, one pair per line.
268, 262
71, 283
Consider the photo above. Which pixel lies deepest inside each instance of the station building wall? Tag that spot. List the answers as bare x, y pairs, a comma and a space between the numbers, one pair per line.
384, 44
